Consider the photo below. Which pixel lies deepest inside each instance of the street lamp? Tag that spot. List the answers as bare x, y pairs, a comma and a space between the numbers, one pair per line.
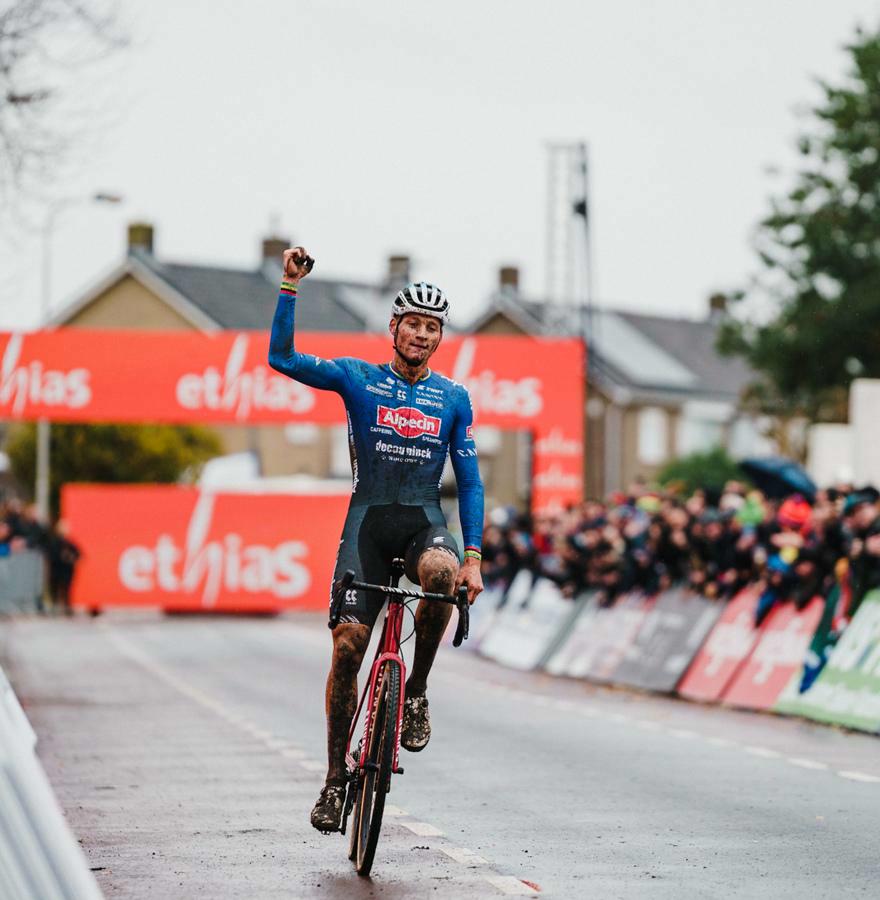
41, 488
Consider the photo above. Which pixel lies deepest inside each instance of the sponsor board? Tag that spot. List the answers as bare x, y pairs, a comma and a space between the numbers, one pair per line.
521, 632
777, 657
599, 639
728, 644
185, 549
84, 375
671, 634
847, 691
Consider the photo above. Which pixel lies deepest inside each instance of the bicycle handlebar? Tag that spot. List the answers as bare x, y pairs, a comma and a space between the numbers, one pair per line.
459, 600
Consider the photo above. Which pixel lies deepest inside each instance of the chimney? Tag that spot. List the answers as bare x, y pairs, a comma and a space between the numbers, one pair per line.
273, 247
508, 280
140, 237
717, 307
398, 270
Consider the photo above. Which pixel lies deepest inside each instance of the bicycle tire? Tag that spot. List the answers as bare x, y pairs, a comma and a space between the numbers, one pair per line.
374, 783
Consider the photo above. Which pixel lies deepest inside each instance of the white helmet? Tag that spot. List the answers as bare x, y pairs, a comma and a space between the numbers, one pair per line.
423, 299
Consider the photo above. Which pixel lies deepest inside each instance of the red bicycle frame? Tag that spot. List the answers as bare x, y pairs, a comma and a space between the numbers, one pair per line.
388, 650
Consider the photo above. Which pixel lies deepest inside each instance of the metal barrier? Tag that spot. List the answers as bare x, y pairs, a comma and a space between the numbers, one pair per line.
39, 856
21, 582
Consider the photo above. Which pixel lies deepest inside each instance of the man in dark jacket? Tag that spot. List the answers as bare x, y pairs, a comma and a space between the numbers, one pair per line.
861, 513
63, 554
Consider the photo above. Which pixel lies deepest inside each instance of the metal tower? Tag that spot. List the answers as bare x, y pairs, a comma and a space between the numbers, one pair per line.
569, 260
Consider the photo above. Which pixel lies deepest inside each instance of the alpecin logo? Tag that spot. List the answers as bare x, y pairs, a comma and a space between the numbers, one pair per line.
408, 422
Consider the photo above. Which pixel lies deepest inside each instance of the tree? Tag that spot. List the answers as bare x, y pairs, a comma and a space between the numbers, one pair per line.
127, 454
820, 253
707, 471
44, 44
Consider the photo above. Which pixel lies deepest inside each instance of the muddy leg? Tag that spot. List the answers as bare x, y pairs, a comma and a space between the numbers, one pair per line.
437, 572
349, 645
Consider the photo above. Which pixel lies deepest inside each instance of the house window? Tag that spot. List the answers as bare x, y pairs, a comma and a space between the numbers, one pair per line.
653, 437
701, 426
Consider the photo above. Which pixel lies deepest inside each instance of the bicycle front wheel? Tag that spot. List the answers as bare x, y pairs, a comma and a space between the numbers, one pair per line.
376, 775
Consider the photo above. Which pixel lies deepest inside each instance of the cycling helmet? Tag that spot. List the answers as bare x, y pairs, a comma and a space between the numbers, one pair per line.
423, 299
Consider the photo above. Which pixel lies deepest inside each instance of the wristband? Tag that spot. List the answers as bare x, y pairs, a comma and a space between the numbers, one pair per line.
471, 553
288, 287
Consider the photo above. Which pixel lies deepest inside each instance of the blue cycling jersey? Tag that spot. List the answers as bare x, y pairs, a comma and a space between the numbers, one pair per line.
399, 433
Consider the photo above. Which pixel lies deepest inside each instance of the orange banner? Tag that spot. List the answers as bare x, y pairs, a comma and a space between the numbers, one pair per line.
79, 375
184, 549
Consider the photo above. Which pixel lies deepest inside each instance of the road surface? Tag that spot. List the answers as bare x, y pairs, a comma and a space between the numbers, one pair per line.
187, 752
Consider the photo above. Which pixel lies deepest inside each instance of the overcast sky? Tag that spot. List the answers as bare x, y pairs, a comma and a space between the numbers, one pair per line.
401, 126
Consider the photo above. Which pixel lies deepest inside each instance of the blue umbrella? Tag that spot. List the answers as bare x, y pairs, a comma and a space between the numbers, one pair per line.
779, 477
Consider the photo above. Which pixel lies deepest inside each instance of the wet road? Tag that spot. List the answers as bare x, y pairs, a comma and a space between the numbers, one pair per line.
187, 753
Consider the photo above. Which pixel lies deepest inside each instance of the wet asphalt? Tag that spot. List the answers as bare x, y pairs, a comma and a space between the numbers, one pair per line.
187, 752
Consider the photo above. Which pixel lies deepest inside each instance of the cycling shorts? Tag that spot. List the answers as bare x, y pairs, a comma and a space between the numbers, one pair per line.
373, 536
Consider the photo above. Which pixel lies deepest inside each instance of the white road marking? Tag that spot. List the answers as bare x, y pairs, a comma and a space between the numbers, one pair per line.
507, 884
647, 724
464, 856
807, 763
683, 733
721, 742
293, 753
620, 717
763, 752
395, 811
860, 776
422, 829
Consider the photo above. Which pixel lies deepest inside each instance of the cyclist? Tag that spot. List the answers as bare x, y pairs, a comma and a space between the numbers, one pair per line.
403, 420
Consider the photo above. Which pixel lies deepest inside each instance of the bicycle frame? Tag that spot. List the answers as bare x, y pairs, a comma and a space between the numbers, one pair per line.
389, 649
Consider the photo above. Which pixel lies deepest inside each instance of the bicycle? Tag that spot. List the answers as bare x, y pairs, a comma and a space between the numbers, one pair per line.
375, 757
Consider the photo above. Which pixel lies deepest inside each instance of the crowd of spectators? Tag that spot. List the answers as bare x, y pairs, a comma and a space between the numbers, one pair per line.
23, 529
716, 544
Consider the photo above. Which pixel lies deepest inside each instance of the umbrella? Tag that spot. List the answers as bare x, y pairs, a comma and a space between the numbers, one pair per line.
779, 477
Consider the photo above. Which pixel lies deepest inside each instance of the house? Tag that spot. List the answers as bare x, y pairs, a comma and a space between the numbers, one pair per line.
657, 388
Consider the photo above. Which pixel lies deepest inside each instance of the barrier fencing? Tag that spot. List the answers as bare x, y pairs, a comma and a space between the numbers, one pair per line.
39, 856
21, 582
679, 642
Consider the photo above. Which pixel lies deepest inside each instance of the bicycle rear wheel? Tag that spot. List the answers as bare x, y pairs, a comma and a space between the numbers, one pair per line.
376, 776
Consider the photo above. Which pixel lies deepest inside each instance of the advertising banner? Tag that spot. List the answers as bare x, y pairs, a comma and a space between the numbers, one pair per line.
184, 549
728, 644
847, 692
600, 638
521, 633
80, 375
671, 634
777, 656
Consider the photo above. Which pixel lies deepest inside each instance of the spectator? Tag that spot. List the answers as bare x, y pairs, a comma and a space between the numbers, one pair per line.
646, 541
862, 516
5, 539
63, 555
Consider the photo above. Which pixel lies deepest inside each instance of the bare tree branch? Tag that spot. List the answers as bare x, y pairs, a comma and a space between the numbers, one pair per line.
42, 45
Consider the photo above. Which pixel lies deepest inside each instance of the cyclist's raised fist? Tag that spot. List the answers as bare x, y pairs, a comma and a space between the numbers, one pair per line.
296, 263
